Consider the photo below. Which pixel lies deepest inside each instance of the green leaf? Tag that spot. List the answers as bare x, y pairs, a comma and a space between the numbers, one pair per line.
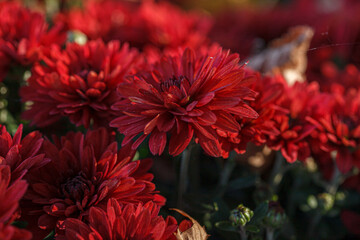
226, 226
241, 183
20, 224
259, 213
252, 228
51, 236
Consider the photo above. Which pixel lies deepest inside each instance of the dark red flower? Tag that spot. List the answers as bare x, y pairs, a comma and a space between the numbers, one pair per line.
352, 182
105, 19
351, 221
185, 225
258, 131
24, 33
86, 171
333, 79
170, 27
187, 94
22, 155
302, 100
10, 195
78, 82
339, 129
136, 222
137, 24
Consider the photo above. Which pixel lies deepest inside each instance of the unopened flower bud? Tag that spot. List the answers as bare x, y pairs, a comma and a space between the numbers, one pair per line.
325, 202
275, 216
241, 215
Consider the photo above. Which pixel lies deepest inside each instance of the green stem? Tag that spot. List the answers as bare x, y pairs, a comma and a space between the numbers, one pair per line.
194, 169
331, 188
335, 182
276, 174
225, 175
183, 177
269, 233
242, 233
227, 170
314, 222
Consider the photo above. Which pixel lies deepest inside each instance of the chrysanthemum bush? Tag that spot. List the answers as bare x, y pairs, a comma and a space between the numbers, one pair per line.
118, 115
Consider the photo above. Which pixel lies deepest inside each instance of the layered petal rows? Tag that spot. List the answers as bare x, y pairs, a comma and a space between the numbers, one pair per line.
187, 94
119, 222
86, 171
78, 82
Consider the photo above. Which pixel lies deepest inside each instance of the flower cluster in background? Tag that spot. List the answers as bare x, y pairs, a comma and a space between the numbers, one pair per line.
244, 114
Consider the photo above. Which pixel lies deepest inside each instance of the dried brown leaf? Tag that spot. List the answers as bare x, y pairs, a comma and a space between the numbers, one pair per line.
286, 55
196, 232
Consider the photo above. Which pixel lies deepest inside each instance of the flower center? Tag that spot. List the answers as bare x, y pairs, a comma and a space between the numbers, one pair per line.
174, 81
83, 74
77, 188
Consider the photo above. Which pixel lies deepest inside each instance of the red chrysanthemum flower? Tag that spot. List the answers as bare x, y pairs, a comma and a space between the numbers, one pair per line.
135, 222
10, 195
339, 129
22, 155
187, 94
331, 78
86, 171
302, 100
79, 83
258, 130
137, 24
170, 27
23, 33
105, 19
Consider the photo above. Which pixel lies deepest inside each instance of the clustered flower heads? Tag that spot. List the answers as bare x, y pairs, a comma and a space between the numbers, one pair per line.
24, 34
152, 74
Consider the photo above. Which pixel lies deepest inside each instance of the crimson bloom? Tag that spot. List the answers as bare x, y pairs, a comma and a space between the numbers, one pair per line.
22, 155
258, 130
78, 82
23, 33
10, 195
136, 222
332, 79
187, 94
351, 220
339, 129
105, 19
171, 27
301, 100
137, 24
86, 171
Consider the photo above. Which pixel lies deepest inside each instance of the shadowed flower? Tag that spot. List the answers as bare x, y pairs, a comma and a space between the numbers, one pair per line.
137, 24
78, 82
351, 220
186, 95
105, 19
258, 130
170, 27
339, 129
135, 222
86, 171
23, 33
21, 155
302, 100
10, 195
